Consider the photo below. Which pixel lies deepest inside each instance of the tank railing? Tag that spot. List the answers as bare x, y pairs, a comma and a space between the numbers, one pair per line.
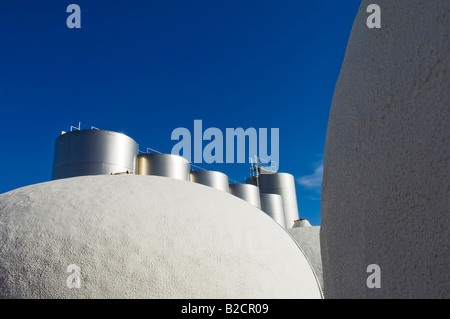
258, 163
148, 148
147, 151
192, 165
77, 128
234, 182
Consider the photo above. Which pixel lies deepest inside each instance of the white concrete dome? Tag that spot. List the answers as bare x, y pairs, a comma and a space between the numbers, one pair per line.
144, 237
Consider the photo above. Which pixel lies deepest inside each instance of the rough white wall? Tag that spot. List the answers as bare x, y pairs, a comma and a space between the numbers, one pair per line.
385, 192
308, 238
144, 237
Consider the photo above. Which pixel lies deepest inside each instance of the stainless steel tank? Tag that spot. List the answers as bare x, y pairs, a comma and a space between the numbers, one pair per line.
284, 185
167, 165
93, 152
247, 192
272, 205
214, 179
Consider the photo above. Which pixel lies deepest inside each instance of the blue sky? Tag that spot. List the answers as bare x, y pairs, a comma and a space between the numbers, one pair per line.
145, 68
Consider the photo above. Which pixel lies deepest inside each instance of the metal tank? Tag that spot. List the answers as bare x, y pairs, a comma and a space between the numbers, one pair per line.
272, 205
284, 185
247, 192
214, 179
93, 152
166, 165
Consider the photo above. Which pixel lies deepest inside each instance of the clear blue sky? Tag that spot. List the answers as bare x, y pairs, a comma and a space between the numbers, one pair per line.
145, 68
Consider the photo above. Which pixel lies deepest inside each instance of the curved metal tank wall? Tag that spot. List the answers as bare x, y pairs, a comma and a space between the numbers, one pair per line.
247, 192
272, 205
166, 165
213, 179
284, 185
93, 152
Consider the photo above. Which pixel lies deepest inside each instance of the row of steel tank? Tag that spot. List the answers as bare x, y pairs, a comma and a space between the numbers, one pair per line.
100, 152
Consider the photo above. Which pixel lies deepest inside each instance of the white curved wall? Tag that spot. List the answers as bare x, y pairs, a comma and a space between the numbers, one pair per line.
144, 237
385, 192
308, 238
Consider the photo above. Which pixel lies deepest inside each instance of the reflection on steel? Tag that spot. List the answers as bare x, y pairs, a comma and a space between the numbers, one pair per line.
214, 179
247, 192
284, 185
272, 205
167, 165
93, 152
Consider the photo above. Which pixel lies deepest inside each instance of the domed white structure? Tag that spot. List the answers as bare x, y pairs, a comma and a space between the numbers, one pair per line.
133, 236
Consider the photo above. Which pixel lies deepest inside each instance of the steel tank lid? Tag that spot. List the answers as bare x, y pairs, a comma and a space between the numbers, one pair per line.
91, 131
208, 172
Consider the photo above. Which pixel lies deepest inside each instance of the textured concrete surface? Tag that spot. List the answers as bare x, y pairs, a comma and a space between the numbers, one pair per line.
302, 223
144, 237
308, 238
385, 191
